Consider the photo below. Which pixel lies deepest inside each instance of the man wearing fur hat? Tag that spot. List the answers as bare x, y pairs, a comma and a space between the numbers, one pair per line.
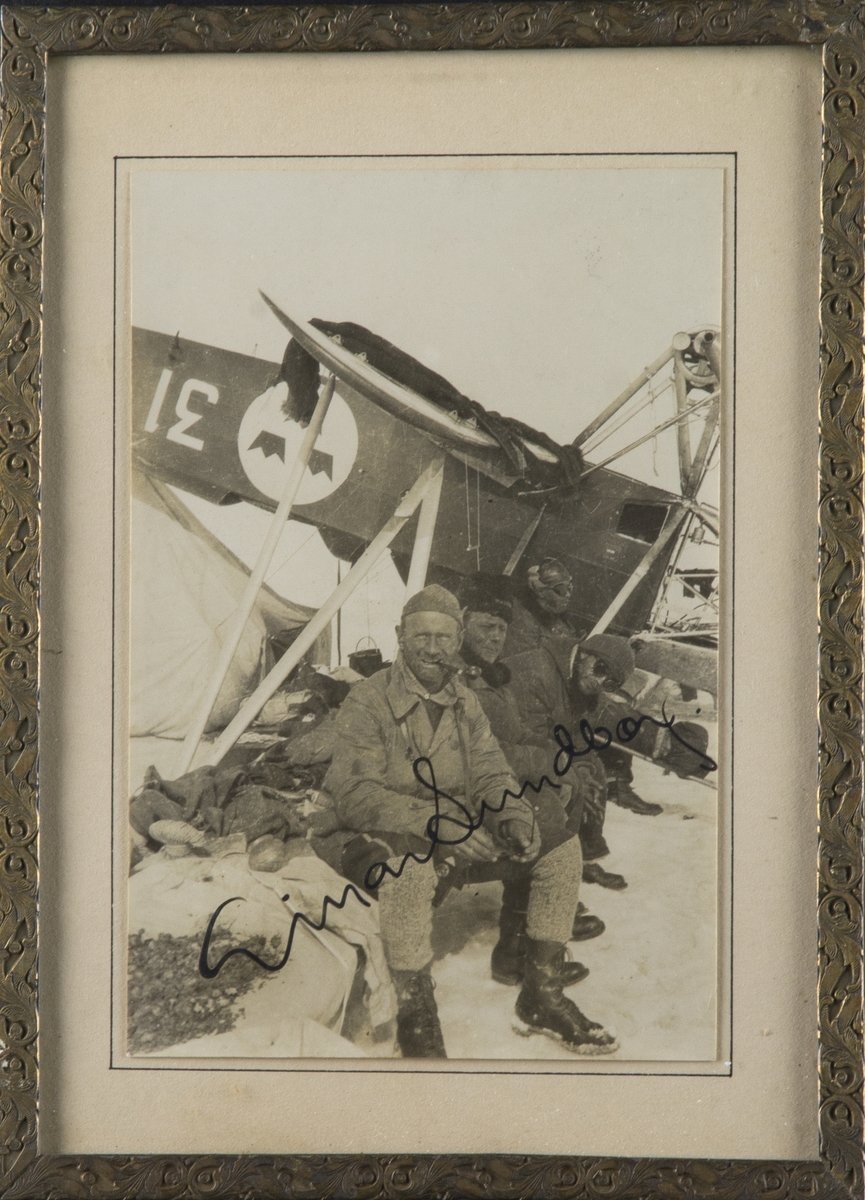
488, 612
393, 731
561, 683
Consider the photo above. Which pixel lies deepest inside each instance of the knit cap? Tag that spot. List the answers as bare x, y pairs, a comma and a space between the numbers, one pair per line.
434, 599
615, 652
487, 594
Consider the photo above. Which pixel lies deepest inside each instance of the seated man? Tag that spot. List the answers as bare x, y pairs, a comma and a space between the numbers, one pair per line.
540, 616
541, 608
560, 683
394, 730
488, 613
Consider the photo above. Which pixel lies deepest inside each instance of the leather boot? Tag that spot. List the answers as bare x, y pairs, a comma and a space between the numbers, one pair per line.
542, 1008
594, 848
509, 951
592, 831
620, 792
418, 1031
594, 873
586, 925
508, 958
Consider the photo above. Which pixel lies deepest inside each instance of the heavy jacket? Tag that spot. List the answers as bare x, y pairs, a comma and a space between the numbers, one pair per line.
529, 761
532, 627
541, 688
540, 682
527, 757
383, 728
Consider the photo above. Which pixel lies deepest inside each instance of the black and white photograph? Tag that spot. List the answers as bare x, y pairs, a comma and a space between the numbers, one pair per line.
424, 755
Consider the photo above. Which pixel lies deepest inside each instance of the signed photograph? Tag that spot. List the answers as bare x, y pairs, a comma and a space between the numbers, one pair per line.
423, 749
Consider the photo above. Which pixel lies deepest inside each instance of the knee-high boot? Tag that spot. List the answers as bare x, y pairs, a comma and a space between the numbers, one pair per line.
592, 829
542, 1008
417, 1020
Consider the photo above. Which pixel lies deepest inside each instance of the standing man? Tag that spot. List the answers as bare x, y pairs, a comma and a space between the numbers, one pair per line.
541, 617
416, 765
487, 615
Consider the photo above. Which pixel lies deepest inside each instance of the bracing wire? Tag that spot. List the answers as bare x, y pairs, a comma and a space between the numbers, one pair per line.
275, 570
628, 415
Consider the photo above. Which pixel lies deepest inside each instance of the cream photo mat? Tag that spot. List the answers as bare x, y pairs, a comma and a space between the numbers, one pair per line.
446, 104
714, 176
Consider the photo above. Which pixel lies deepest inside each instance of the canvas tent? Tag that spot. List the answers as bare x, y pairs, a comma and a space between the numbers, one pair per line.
185, 586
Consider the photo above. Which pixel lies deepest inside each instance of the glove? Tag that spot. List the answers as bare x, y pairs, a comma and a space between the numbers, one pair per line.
520, 838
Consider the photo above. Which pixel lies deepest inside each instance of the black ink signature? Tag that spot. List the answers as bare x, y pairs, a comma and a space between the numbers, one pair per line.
626, 730
376, 874
210, 972
436, 839
595, 739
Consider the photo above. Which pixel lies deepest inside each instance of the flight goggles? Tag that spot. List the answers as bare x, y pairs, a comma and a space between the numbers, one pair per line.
559, 589
601, 670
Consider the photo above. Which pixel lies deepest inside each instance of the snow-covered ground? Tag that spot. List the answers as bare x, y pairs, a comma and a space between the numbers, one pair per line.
653, 972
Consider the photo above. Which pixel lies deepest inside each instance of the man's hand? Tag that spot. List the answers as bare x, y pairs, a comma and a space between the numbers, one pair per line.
480, 847
520, 838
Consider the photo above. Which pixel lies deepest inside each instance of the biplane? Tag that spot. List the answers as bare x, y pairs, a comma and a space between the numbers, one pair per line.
353, 436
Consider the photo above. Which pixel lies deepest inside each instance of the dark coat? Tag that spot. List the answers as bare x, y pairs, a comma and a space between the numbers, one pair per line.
540, 682
541, 689
532, 628
529, 760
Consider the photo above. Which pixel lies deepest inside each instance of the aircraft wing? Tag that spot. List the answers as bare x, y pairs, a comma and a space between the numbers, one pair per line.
211, 422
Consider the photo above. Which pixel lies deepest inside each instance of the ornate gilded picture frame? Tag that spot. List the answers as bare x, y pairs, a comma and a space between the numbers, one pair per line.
29, 37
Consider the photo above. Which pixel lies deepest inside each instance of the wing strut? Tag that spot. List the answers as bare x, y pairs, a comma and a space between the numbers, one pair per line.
256, 578
672, 527
685, 507
676, 420
682, 407
251, 707
522, 544
426, 523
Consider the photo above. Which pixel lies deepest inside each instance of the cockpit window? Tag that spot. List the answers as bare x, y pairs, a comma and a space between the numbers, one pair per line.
642, 521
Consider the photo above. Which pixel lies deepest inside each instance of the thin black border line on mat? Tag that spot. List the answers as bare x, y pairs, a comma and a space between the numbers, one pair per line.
577, 1067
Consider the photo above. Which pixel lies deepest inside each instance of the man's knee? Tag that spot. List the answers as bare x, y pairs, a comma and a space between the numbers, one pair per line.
552, 821
405, 906
564, 861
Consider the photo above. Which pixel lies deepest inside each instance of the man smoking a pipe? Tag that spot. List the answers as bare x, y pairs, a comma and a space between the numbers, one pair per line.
393, 729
